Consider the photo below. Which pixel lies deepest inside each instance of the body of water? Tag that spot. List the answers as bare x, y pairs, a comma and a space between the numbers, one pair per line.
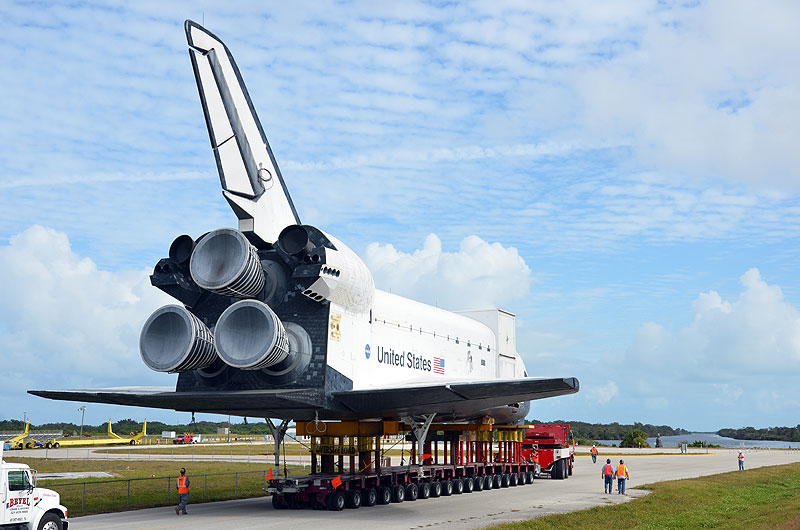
711, 438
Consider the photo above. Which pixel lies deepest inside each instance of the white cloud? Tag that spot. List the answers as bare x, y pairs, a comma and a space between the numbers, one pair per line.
757, 333
478, 276
706, 91
64, 323
600, 395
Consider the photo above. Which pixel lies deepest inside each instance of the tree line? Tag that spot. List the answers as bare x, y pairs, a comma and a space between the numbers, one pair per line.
614, 431
126, 426
580, 429
783, 434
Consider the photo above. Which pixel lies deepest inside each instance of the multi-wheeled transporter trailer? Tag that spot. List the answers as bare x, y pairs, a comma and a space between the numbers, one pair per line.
455, 459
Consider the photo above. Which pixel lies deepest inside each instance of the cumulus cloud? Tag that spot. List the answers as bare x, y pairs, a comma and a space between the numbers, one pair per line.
757, 333
64, 323
602, 394
479, 275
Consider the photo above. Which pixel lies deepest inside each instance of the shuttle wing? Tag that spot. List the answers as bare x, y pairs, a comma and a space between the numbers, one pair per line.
250, 177
456, 399
459, 399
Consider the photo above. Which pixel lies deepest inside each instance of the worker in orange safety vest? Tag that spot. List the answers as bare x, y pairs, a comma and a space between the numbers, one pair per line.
594, 454
741, 461
182, 484
608, 476
622, 476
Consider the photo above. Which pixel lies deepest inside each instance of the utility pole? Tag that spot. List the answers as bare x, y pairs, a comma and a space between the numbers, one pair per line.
82, 411
25, 417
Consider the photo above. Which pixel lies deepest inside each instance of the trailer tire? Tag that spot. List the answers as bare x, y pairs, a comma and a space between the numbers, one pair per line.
478, 484
529, 476
412, 492
562, 469
505, 480
384, 495
458, 486
424, 490
569, 472
488, 482
369, 497
436, 489
296, 502
398, 494
50, 521
352, 499
469, 485
498, 481
336, 501
555, 470
278, 503
447, 488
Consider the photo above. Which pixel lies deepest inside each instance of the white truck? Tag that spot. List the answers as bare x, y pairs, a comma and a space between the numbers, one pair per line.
23, 505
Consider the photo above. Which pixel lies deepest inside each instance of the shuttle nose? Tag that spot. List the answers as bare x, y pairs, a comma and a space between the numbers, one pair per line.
250, 336
225, 262
174, 340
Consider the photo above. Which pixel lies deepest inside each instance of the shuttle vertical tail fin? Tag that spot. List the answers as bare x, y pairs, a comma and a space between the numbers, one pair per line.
250, 177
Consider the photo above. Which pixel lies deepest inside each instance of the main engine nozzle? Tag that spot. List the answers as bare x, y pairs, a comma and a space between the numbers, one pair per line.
225, 262
174, 340
250, 336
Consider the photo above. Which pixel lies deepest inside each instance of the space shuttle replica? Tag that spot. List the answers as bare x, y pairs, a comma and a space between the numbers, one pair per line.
279, 319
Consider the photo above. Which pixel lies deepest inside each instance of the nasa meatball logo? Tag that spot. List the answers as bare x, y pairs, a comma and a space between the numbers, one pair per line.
366, 351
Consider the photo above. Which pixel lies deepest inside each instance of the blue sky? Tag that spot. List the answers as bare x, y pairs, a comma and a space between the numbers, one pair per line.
624, 177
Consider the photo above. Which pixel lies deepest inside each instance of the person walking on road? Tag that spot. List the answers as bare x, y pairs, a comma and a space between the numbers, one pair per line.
594, 454
741, 461
182, 485
608, 476
622, 476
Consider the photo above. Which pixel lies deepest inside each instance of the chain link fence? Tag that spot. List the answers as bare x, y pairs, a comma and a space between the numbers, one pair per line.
122, 494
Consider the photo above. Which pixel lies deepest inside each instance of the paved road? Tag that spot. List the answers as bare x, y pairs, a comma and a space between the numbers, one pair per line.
468, 511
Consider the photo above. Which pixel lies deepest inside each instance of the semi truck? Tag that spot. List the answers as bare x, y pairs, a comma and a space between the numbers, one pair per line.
552, 446
25, 506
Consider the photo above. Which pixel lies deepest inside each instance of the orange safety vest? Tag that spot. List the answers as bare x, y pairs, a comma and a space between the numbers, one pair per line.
183, 484
741, 456
608, 470
622, 471
594, 450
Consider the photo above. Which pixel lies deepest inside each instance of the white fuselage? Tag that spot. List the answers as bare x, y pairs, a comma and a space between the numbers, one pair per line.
401, 341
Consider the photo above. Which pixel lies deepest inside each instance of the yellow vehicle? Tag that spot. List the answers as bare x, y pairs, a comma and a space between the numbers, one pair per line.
113, 439
17, 442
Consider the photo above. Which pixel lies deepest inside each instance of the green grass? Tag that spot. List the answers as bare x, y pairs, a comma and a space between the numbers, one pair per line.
767, 497
103, 497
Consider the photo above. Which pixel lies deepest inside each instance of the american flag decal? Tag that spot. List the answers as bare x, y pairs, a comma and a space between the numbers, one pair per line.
438, 365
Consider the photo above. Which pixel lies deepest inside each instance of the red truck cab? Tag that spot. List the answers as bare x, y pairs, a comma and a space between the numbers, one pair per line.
552, 447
